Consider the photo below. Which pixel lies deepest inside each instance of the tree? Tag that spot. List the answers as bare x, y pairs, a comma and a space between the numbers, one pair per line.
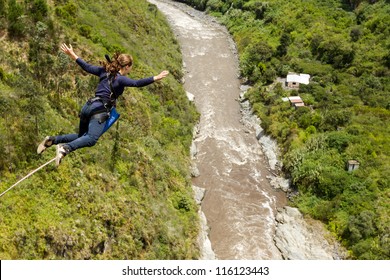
362, 225
336, 51
2, 8
16, 26
258, 7
353, 3
37, 54
338, 140
335, 118
356, 33
39, 10
254, 58
285, 41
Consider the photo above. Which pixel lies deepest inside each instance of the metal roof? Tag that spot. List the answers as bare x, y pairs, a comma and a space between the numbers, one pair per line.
298, 78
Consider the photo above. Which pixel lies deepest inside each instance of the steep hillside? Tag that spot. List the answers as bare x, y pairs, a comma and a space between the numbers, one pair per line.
344, 46
129, 196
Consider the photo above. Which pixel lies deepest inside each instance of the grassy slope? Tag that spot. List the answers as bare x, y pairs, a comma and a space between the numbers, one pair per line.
128, 197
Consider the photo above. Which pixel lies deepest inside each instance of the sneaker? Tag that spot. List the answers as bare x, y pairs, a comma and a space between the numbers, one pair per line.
46, 143
62, 151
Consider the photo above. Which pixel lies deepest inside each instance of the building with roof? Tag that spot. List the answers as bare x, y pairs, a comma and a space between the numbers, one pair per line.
296, 101
293, 80
352, 165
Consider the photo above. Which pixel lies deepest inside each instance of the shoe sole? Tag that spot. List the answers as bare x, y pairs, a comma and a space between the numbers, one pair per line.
58, 155
42, 147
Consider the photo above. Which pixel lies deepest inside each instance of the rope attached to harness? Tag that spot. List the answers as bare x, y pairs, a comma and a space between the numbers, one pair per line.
28, 175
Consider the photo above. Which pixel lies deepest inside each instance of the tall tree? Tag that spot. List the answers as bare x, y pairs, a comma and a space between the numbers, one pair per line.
15, 26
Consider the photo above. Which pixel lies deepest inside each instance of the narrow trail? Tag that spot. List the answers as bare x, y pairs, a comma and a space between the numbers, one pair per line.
240, 204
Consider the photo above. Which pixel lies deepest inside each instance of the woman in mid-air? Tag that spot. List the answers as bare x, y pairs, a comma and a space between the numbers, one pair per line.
95, 112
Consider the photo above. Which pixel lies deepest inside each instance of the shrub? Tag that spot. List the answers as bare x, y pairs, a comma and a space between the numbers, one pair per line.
39, 10
16, 25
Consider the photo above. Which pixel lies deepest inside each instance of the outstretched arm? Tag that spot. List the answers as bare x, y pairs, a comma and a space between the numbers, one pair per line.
95, 70
161, 76
69, 51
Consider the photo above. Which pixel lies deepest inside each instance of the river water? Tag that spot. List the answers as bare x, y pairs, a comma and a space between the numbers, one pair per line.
240, 203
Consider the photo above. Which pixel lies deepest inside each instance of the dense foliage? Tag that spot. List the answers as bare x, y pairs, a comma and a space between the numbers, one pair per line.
345, 47
129, 196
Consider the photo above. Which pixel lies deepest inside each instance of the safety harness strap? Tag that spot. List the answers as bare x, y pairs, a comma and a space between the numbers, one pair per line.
102, 117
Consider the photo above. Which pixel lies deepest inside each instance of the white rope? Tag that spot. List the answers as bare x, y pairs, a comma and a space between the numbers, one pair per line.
25, 177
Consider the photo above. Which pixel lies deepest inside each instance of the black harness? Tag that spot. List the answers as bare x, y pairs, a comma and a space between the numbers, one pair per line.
103, 114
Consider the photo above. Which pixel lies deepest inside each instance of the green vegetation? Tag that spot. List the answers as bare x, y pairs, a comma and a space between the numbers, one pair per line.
345, 47
128, 197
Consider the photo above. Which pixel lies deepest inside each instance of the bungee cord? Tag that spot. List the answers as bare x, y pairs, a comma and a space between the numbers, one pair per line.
25, 177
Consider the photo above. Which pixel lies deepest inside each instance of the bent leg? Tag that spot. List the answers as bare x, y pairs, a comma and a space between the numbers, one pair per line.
83, 128
89, 139
66, 138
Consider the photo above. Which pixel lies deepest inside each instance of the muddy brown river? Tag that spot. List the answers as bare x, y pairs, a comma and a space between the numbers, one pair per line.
240, 203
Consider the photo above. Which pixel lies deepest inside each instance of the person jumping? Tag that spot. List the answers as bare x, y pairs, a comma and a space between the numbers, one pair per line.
95, 112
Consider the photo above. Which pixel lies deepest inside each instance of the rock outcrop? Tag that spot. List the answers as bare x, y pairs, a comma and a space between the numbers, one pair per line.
304, 239
206, 252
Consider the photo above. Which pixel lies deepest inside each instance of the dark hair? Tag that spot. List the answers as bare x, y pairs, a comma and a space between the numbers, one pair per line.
117, 62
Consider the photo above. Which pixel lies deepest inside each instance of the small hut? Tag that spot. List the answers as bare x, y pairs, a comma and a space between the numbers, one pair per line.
293, 80
353, 165
296, 101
